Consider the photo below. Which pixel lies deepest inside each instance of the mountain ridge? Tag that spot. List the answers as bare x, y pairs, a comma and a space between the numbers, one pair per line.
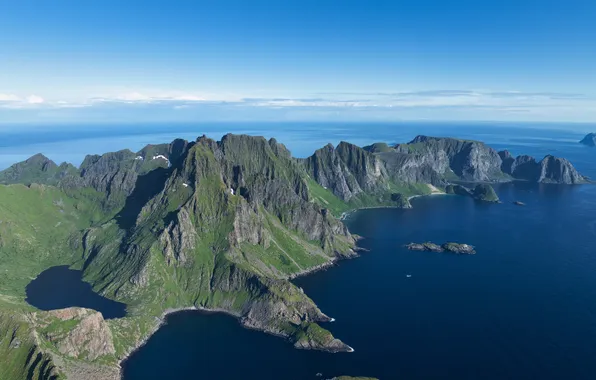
222, 225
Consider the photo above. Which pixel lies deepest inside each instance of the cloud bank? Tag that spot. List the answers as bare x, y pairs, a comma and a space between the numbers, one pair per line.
429, 104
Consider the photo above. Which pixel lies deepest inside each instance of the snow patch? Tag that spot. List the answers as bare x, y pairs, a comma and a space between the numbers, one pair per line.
139, 158
161, 156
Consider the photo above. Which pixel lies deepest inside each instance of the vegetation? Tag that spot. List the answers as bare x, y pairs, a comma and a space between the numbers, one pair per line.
486, 193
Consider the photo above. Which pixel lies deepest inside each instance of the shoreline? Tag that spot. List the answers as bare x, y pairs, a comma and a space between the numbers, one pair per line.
345, 214
333, 262
162, 319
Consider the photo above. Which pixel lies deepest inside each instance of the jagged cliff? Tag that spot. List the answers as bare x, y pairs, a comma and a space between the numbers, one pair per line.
465, 159
219, 225
549, 170
347, 170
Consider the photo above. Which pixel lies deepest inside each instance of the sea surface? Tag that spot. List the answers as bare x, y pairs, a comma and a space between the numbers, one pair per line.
523, 307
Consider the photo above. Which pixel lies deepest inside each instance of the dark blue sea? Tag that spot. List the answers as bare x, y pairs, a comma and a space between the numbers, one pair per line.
523, 307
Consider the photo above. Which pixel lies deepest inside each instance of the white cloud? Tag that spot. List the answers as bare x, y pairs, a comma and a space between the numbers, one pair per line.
151, 97
15, 101
543, 105
34, 99
9, 98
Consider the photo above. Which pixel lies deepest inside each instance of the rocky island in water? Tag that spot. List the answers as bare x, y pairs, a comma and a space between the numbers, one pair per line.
211, 225
459, 248
589, 140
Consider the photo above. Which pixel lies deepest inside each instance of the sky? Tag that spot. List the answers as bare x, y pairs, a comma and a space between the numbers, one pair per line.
208, 60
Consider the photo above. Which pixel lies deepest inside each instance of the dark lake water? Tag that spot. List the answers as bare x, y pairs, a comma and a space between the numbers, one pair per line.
523, 307
60, 287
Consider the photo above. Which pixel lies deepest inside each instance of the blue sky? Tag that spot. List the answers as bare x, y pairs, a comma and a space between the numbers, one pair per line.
130, 60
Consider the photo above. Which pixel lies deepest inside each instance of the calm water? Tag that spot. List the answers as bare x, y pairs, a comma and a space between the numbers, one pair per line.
59, 287
523, 307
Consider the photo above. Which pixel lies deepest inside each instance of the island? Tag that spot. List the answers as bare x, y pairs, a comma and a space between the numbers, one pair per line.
209, 225
482, 192
589, 139
458, 248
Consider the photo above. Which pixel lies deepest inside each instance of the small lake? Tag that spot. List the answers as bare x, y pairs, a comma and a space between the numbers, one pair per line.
60, 287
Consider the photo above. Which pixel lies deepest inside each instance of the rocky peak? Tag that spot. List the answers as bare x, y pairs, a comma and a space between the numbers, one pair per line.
589, 139
36, 169
558, 170
347, 170
469, 160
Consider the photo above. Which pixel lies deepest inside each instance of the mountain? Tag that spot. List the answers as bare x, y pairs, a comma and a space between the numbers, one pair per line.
549, 170
216, 225
481, 192
463, 159
36, 169
589, 140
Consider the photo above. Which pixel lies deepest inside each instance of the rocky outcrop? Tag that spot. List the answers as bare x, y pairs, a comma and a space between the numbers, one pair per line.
90, 336
458, 248
558, 170
466, 159
346, 170
549, 170
589, 139
311, 336
481, 192
179, 239
486, 193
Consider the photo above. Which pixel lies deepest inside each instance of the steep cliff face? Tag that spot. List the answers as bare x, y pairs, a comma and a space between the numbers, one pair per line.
467, 160
346, 170
549, 170
559, 170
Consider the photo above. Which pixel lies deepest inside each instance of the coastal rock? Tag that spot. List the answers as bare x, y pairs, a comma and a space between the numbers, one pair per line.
481, 192
458, 190
589, 139
465, 249
550, 169
486, 193
314, 337
559, 170
468, 160
446, 247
